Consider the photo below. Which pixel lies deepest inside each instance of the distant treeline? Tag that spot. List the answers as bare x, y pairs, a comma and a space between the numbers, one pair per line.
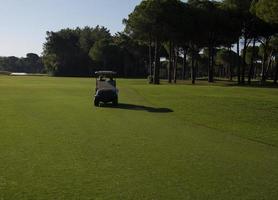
82, 51
32, 63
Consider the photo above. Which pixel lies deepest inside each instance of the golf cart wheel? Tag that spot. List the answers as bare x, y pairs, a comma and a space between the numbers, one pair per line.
96, 102
115, 102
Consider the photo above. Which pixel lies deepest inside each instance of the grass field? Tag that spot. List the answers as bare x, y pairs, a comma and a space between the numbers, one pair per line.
162, 142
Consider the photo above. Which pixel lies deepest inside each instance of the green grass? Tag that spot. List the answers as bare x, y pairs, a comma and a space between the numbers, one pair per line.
219, 142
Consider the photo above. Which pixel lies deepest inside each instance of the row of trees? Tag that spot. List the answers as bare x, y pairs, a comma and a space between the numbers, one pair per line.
203, 29
199, 38
82, 51
32, 63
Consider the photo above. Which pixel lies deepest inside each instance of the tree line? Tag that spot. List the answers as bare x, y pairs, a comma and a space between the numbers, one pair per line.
174, 39
32, 63
202, 31
82, 51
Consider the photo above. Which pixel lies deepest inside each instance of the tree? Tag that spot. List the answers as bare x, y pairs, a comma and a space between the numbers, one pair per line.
134, 55
263, 32
32, 63
219, 29
228, 59
267, 10
66, 52
266, 51
241, 8
98, 53
252, 54
139, 27
146, 23
106, 54
174, 34
64, 46
274, 47
81, 51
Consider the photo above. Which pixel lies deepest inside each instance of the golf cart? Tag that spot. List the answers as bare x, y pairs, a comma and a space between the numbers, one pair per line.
106, 90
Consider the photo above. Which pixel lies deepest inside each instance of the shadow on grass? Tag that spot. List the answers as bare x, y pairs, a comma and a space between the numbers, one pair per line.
254, 85
124, 106
227, 83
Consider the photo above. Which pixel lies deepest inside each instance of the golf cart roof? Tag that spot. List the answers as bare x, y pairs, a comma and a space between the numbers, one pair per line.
105, 73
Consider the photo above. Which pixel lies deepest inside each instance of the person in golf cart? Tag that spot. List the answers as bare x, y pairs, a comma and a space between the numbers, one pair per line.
106, 90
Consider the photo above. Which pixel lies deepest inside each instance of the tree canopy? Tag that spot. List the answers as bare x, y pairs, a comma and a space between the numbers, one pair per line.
193, 38
32, 63
267, 10
81, 51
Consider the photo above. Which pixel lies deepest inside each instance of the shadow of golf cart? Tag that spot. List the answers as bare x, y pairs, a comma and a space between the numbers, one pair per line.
106, 91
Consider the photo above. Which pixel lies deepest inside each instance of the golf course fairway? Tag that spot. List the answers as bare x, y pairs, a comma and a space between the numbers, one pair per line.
162, 142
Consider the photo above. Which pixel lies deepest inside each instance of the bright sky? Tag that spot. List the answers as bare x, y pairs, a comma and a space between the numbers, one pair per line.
24, 23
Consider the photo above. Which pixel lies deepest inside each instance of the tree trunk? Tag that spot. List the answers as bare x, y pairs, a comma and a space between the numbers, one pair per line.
230, 72
251, 70
238, 62
170, 62
276, 73
255, 72
210, 67
230, 69
150, 57
244, 61
184, 64
196, 69
175, 63
269, 63
264, 62
193, 68
209, 62
157, 62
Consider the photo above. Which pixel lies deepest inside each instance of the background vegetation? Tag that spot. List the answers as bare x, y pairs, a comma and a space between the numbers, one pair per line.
199, 30
169, 39
32, 63
80, 52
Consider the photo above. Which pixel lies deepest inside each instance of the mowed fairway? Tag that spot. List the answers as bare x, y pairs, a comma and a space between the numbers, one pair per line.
163, 142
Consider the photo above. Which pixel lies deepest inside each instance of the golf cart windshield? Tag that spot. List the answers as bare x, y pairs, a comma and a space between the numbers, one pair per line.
105, 80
